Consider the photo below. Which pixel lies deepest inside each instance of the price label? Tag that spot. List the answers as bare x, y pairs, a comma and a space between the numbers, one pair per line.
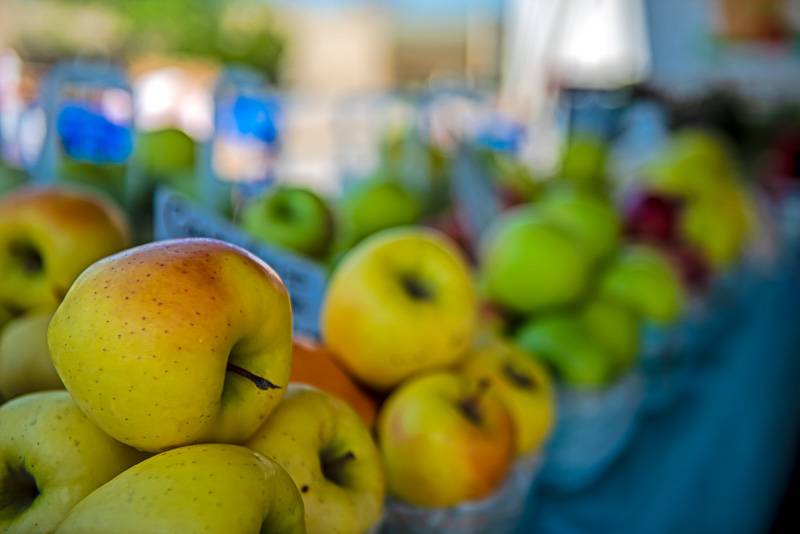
177, 217
476, 197
89, 131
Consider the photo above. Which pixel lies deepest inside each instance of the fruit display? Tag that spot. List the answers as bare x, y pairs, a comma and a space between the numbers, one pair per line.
166, 387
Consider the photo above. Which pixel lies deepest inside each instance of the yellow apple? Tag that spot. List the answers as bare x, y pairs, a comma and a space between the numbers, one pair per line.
51, 457
175, 342
328, 451
719, 224
401, 302
445, 438
47, 237
213, 489
25, 365
524, 386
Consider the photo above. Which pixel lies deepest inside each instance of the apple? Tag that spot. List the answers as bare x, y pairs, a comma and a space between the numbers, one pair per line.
5, 317
47, 237
175, 342
290, 217
25, 365
653, 217
372, 205
643, 279
199, 488
165, 153
313, 364
718, 225
561, 342
588, 218
51, 457
331, 456
529, 264
401, 302
615, 328
695, 162
445, 438
584, 162
523, 385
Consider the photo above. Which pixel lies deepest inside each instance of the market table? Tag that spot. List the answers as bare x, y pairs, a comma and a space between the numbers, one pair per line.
718, 459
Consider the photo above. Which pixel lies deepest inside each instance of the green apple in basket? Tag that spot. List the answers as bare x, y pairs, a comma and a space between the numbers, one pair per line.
294, 218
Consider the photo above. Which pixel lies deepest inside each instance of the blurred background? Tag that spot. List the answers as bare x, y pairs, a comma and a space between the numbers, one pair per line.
194, 94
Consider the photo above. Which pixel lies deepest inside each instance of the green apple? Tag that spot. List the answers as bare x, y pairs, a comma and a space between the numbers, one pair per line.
328, 451
373, 205
47, 237
615, 328
695, 162
445, 438
25, 365
175, 342
294, 218
718, 225
587, 217
561, 341
401, 302
529, 264
214, 489
51, 457
523, 384
165, 153
642, 278
584, 162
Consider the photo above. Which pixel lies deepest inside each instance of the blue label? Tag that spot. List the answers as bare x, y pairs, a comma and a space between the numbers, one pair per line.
475, 194
87, 135
176, 217
501, 134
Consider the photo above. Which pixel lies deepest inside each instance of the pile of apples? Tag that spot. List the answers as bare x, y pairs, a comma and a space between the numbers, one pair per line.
693, 206
177, 414
188, 406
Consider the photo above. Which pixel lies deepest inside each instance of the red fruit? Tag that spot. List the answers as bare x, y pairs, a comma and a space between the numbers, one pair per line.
653, 218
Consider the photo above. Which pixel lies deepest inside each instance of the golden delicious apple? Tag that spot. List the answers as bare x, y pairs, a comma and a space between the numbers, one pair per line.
213, 489
524, 386
47, 237
719, 224
175, 342
25, 365
51, 457
328, 451
401, 302
445, 438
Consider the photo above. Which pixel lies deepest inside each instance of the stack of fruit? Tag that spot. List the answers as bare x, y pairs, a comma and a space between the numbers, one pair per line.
400, 316
176, 356
694, 207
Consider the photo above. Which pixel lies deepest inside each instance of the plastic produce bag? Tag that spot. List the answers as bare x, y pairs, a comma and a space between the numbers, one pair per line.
499, 513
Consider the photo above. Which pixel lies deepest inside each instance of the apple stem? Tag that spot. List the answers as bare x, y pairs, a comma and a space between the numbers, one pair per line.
260, 382
471, 405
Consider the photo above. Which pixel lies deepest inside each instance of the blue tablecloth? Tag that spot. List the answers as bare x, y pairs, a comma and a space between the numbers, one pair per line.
719, 458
